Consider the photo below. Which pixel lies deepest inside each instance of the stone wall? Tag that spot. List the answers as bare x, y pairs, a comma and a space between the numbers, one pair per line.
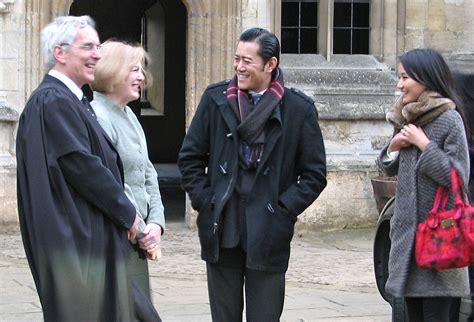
11, 96
446, 25
8, 209
351, 94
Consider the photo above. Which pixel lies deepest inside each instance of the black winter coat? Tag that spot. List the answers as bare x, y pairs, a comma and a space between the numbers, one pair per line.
290, 176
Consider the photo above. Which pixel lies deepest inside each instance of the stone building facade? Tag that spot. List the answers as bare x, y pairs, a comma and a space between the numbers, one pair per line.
344, 57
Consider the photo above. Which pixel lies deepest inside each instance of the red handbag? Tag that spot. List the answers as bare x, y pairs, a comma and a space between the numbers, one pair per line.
445, 239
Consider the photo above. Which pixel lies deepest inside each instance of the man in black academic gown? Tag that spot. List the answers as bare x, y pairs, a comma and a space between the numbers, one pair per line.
74, 215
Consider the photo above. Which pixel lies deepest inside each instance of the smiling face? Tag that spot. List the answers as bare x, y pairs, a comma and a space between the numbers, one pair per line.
129, 89
252, 73
411, 89
77, 60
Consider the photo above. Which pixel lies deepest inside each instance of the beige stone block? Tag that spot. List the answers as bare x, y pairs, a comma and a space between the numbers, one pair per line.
436, 15
414, 38
5, 137
459, 15
3, 182
10, 185
7, 177
346, 213
8, 212
331, 191
9, 74
10, 44
347, 201
436, 23
450, 42
416, 14
457, 19
389, 17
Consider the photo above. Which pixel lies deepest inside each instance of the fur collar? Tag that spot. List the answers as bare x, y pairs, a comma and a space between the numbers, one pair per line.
429, 106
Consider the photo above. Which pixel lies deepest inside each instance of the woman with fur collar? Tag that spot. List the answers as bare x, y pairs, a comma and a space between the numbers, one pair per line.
429, 138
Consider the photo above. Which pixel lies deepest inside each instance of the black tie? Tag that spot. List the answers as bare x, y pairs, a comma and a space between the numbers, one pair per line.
88, 106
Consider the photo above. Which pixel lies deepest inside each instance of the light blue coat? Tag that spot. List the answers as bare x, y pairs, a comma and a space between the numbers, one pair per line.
141, 179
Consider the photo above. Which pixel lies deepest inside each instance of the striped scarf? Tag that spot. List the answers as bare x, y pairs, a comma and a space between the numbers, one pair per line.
254, 118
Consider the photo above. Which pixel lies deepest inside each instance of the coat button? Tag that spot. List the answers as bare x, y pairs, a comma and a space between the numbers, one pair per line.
270, 208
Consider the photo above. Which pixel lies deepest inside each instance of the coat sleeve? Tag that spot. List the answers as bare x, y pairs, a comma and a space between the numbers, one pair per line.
388, 168
156, 213
436, 160
86, 174
194, 156
67, 138
310, 165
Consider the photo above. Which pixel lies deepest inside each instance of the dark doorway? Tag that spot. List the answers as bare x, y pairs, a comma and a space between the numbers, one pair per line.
160, 26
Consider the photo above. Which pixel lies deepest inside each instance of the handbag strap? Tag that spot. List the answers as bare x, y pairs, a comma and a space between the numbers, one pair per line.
440, 198
445, 199
458, 186
459, 195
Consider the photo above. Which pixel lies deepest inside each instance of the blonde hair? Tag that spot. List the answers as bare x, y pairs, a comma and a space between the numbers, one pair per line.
114, 66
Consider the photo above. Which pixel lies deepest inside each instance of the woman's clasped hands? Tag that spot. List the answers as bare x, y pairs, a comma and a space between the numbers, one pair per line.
151, 241
410, 134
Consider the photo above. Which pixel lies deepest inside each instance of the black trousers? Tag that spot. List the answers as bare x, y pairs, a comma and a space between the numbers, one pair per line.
430, 309
227, 279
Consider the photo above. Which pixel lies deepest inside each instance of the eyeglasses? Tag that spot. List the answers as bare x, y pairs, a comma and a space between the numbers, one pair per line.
86, 47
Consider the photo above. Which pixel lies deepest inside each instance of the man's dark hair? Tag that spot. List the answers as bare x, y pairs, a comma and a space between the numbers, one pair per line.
268, 43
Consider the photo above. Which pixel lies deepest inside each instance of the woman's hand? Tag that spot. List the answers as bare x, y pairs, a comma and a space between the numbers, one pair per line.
151, 237
415, 135
154, 254
398, 142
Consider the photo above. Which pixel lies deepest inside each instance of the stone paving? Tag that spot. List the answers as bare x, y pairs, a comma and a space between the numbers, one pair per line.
330, 278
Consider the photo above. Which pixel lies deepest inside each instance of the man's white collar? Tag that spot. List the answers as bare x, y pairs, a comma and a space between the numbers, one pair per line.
68, 82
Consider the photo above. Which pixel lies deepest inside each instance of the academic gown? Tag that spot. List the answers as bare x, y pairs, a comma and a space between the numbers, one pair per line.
73, 213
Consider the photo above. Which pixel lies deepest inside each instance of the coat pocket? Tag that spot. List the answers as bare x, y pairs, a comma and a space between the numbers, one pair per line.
206, 222
280, 233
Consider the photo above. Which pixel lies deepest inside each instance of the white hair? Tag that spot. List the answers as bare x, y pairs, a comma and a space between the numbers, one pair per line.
63, 30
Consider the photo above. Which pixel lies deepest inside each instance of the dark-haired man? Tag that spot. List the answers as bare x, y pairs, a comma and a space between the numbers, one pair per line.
253, 159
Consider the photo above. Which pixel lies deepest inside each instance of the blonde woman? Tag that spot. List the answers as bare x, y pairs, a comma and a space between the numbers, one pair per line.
119, 78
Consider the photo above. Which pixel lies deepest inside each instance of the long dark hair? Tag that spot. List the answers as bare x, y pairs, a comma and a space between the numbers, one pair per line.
428, 67
464, 86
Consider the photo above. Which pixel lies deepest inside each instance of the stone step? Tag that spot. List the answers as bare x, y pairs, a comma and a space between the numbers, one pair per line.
349, 77
343, 62
351, 106
349, 87
345, 74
